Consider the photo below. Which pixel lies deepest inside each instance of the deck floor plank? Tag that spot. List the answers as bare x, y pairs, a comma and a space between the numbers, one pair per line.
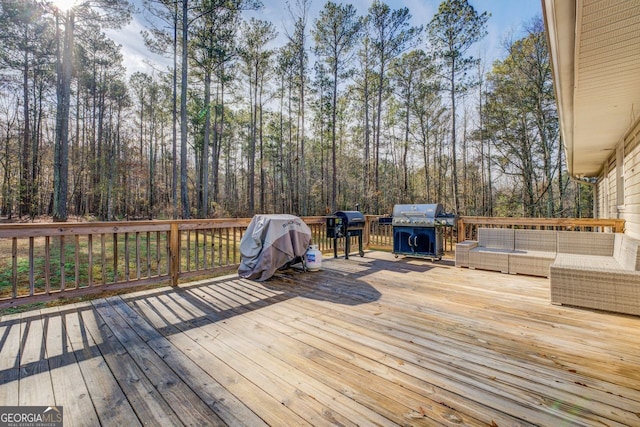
147, 401
112, 406
9, 359
69, 387
188, 408
36, 388
373, 340
230, 410
173, 321
353, 358
391, 399
284, 385
269, 343
415, 325
456, 365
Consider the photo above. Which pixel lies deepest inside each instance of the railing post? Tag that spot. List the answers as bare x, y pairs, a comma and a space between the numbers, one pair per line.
367, 231
174, 253
461, 230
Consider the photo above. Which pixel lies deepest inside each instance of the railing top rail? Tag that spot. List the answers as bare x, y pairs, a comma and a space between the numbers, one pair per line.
73, 228
545, 221
617, 225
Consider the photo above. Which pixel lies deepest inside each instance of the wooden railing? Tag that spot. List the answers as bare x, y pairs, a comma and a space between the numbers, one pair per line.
43, 262
468, 225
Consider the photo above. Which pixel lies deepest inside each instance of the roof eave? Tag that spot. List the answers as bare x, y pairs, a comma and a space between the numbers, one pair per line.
560, 21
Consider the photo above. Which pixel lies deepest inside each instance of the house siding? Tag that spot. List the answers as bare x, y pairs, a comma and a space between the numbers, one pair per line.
606, 198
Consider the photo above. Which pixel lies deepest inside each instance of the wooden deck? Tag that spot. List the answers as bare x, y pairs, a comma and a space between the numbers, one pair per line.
368, 341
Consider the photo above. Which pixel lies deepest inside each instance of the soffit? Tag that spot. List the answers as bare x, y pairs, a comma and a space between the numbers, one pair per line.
595, 53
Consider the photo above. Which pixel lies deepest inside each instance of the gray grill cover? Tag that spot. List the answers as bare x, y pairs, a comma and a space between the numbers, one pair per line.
270, 242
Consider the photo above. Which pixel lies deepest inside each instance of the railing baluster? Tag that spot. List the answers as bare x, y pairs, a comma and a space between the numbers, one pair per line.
127, 277
227, 233
14, 267
32, 284
115, 257
137, 255
197, 249
62, 266
77, 266
158, 252
234, 244
103, 256
204, 247
174, 253
220, 246
188, 251
90, 259
47, 264
213, 247
168, 250
148, 254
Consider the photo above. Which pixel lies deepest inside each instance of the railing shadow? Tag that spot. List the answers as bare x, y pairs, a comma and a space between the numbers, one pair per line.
171, 311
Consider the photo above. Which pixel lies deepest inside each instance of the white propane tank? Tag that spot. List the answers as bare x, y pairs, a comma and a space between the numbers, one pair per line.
313, 258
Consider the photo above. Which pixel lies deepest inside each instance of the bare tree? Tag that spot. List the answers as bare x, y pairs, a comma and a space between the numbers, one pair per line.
453, 30
335, 33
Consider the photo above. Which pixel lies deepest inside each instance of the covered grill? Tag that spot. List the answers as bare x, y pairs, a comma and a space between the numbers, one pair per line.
272, 242
418, 229
346, 224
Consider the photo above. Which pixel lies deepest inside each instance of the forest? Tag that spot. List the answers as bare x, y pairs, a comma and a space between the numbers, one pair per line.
350, 109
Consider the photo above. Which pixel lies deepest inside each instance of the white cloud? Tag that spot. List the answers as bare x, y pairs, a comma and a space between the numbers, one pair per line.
137, 57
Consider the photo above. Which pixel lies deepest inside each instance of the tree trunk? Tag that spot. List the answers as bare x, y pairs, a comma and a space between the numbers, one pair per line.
153, 149
61, 150
184, 195
454, 159
263, 207
204, 180
303, 164
174, 115
367, 143
334, 167
376, 208
405, 152
25, 164
253, 88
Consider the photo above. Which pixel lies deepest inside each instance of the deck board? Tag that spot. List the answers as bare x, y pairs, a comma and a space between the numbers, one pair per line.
9, 359
35, 380
368, 341
68, 384
108, 399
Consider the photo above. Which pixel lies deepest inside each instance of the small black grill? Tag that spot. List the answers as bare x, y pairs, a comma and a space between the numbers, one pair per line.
346, 224
418, 230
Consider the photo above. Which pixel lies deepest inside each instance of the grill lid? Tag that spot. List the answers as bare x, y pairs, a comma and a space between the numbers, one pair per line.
417, 214
351, 218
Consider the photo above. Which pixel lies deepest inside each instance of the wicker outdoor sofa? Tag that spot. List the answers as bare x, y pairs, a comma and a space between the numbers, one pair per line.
591, 270
597, 270
509, 251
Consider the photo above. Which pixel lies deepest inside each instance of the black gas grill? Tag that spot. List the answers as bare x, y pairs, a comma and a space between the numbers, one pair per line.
418, 230
346, 224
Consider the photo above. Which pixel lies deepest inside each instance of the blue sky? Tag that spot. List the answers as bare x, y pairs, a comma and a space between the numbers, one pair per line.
507, 16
